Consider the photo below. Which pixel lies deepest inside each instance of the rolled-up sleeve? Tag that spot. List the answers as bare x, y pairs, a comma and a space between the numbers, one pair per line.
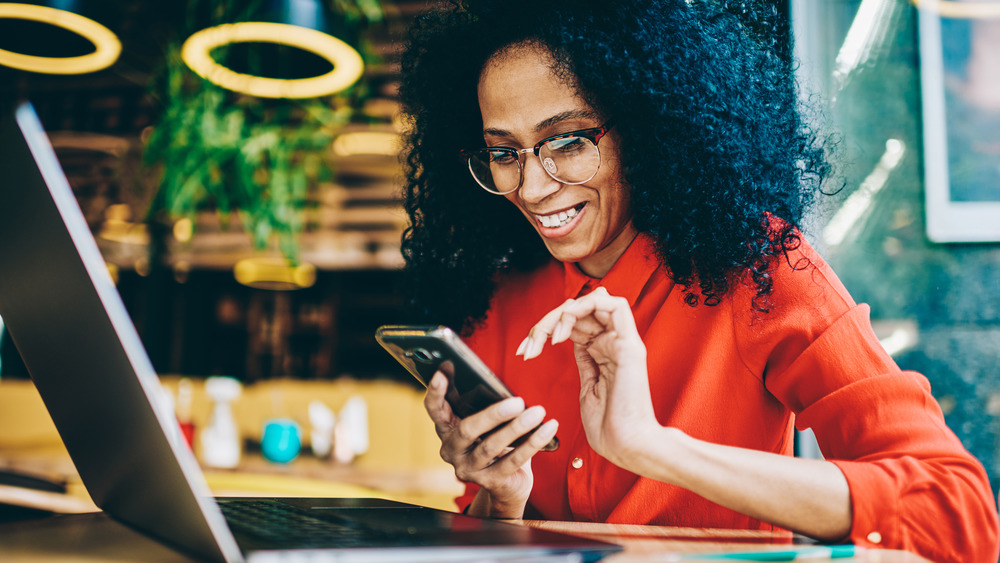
913, 485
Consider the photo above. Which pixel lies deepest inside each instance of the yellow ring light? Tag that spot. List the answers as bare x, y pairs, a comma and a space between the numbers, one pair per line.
367, 142
960, 10
274, 273
347, 63
107, 47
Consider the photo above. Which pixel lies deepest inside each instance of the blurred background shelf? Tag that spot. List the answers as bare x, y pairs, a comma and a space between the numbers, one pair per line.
401, 462
177, 278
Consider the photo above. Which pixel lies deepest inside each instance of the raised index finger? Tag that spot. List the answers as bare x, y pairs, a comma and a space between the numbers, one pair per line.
613, 312
543, 329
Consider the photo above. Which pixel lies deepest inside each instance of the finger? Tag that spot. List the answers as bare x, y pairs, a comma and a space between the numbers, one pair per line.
603, 308
472, 427
535, 442
580, 319
543, 329
497, 443
623, 320
585, 329
564, 328
598, 291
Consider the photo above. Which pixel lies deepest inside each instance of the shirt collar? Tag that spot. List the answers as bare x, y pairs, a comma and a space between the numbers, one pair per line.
625, 279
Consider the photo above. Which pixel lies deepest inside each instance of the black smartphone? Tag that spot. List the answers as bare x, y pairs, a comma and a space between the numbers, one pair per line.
424, 350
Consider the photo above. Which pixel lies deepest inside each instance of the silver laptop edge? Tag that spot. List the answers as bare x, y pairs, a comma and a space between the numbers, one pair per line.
175, 463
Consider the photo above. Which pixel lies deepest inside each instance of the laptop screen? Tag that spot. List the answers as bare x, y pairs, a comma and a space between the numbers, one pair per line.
85, 357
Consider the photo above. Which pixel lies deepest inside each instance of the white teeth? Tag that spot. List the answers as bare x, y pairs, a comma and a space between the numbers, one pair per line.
557, 219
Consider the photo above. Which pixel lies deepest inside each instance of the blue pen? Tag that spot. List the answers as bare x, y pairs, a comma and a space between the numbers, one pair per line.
804, 553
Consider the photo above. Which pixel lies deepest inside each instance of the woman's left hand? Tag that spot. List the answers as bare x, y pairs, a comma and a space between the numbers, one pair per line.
805, 495
615, 402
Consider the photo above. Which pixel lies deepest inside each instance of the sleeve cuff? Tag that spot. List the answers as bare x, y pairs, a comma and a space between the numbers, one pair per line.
464, 501
874, 504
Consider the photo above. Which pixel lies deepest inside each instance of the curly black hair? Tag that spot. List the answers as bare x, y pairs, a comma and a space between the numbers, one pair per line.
721, 163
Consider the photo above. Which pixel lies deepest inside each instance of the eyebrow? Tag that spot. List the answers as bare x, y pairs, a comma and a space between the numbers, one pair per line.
548, 122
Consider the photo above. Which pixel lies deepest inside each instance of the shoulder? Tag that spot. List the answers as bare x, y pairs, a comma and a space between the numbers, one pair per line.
806, 300
804, 287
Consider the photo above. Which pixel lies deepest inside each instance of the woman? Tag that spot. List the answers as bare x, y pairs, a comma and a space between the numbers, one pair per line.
646, 289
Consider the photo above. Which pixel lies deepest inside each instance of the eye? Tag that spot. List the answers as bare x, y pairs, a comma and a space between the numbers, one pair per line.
502, 157
567, 145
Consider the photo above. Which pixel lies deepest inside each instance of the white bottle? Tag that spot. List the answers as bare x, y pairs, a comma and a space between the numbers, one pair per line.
220, 441
322, 420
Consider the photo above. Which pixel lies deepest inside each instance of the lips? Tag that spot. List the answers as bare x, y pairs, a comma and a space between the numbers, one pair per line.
558, 218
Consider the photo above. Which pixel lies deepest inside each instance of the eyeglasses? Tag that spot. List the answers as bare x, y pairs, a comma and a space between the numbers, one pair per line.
569, 158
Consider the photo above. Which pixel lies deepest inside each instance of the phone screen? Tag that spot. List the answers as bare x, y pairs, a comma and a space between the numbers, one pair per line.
424, 350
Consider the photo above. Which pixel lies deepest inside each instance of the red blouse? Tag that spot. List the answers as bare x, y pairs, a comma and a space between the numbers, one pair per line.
729, 376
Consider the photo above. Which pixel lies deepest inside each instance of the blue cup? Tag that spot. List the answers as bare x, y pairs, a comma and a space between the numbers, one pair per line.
281, 440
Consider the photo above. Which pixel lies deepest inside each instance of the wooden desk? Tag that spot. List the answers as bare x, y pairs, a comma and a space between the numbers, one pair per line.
92, 536
95, 537
647, 544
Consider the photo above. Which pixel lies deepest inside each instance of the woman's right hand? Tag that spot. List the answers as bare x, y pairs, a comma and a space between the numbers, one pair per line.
503, 472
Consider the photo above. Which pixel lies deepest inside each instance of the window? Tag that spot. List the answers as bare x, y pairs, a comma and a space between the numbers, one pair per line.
935, 306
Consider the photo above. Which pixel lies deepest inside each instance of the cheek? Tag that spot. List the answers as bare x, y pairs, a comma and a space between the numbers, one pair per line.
615, 196
610, 178
617, 209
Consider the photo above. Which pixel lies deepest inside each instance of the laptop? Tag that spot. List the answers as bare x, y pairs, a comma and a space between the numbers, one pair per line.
85, 357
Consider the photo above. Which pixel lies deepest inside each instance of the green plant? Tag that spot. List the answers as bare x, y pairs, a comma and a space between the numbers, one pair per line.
240, 155
259, 158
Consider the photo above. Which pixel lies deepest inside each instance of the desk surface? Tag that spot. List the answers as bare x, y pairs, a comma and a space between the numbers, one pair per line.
95, 537
657, 543
92, 536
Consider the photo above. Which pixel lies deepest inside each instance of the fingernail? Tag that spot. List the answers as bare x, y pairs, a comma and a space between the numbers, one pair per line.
437, 380
524, 346
533, 416
548, 429
561, 332
534, 349
511, 406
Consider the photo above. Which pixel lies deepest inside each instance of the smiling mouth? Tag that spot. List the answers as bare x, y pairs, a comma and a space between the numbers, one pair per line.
556, 220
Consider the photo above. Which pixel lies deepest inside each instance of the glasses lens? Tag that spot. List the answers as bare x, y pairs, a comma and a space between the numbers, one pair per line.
572, 160
496, 170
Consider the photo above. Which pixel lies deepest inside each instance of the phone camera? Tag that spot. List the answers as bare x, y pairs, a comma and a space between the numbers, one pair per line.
423, 355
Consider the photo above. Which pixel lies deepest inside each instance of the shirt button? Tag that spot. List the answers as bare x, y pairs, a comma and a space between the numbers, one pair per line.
875, 537
577, 463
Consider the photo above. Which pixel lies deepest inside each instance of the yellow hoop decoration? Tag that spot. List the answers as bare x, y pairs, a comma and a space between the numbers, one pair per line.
367, 142
107, 47
347, 63
960, 10
274, 273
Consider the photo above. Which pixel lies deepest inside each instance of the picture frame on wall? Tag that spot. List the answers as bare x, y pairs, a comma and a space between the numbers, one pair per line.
960, 86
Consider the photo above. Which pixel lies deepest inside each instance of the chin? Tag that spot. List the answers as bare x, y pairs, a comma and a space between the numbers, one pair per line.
566, 255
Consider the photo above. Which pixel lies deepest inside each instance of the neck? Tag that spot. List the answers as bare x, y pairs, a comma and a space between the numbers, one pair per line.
598, 265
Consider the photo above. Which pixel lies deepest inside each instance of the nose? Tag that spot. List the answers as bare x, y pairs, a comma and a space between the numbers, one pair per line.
537, 184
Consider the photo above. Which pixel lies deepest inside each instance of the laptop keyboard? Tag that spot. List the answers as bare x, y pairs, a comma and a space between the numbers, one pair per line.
277, 525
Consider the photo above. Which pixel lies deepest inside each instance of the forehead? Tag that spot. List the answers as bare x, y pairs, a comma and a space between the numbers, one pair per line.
519, 89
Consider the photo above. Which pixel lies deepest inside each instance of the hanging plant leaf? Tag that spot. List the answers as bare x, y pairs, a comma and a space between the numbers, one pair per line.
222, 151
